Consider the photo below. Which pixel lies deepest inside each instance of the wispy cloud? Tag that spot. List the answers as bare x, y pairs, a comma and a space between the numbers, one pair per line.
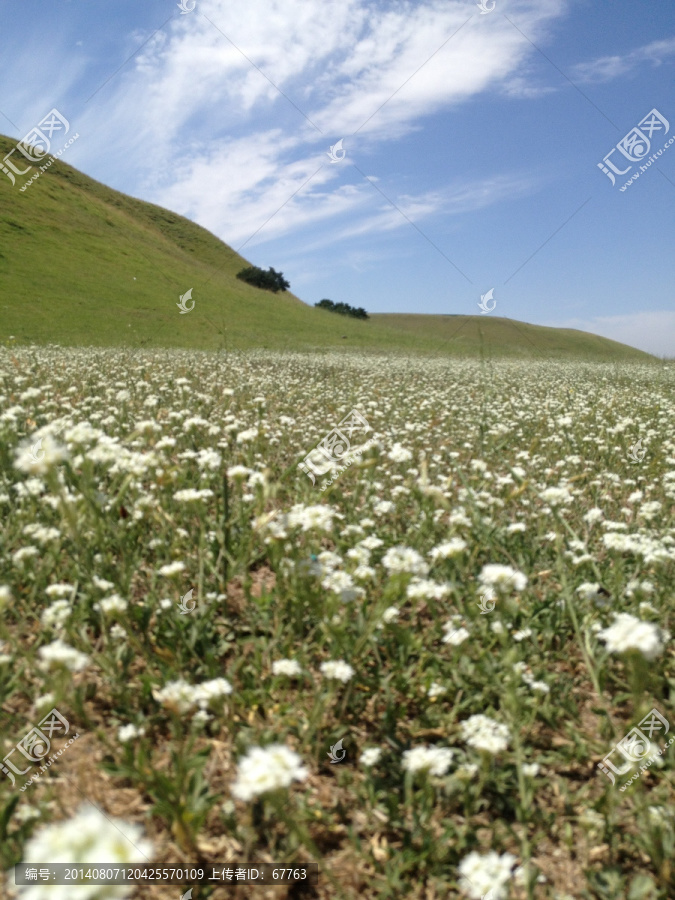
607, 68
268, 86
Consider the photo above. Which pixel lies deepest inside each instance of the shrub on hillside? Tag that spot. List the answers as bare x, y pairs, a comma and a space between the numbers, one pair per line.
268, 281
344, 309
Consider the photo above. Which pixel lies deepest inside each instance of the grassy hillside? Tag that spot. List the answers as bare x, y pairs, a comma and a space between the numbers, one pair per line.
493, 336
81, 263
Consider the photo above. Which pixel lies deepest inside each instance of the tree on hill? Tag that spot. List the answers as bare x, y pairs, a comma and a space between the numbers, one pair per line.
268, 281
343, 309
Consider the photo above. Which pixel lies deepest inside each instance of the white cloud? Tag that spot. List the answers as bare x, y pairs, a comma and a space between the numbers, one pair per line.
342, 62
651, 331
607, 68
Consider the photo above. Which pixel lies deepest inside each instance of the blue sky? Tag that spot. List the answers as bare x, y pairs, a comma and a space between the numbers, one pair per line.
471, 142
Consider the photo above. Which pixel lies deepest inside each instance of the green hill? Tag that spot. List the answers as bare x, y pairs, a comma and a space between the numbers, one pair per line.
82, 264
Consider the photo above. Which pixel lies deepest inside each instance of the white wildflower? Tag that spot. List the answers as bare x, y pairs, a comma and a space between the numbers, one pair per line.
266, 769
56, 614
337, 669
399, 454
371, 756
89, 837
404, 559
39, 456
483, 733
173, 568
288, 667
250, 434
435, 760
486, 875
628, 633
502, 578
189, 494
59, 654
126, 733
448, 549
112, 604
455, 636
435, 690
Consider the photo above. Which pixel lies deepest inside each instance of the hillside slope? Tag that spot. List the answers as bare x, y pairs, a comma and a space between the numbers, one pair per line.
82, 264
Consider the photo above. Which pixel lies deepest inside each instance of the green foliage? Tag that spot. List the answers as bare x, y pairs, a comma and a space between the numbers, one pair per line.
268, 281
344, 309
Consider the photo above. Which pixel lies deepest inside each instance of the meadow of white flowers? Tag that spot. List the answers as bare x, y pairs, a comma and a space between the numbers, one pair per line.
479, 608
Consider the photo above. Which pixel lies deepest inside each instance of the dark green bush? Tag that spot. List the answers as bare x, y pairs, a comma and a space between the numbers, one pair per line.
344, 309
268, 281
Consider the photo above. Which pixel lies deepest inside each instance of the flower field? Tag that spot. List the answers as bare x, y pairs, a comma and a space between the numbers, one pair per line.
415, 673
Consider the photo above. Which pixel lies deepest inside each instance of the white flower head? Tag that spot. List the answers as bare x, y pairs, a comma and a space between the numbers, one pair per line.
309, 517
371, 756
240, 472
189, 494
266, 769
502, 579
37, 457
483, 733
126, 733
112, 604
521, 634
448, 549
588, 590
337, 669
56, 614
60, 654
59, 590
173, 568
89, 837
435, 760
629, 633
455, 636
404, 559
556, 496
250, 434
290, 667
435, 690
178, 696
399, 454
486, 875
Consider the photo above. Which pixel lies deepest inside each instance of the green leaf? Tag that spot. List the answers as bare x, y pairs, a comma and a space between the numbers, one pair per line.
641, 887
